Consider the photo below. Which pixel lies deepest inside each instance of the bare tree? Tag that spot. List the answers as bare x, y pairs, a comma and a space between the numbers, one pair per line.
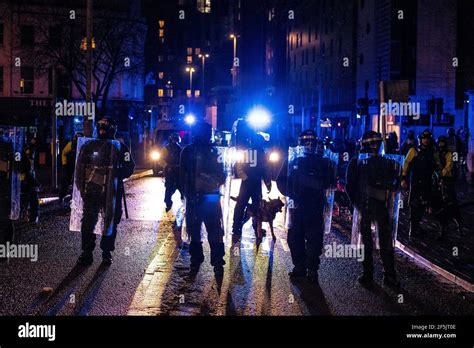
118, 49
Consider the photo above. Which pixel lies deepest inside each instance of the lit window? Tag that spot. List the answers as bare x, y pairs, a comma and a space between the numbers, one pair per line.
188, 93
197, 93
170, 93
161, 24
27, 80
190, 59
204, 6
190, 51
160, 93
197, 51
161, 75
162, 33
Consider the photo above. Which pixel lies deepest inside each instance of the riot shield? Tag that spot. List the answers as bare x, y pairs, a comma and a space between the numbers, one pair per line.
326, 169
330, 191
227, 157
11, 152
95, 185
378, 195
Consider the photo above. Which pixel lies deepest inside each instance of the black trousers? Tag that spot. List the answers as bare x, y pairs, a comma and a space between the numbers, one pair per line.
451, 208
66, 180
93, 204
305, 237
207, 210
171, 185
420, 198
377, 212
31, 198
248, 189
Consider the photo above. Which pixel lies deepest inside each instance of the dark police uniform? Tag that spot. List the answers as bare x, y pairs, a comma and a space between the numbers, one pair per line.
420, 165
100, 170
308, 179
370, 183
201, 176
250, 188
171, 158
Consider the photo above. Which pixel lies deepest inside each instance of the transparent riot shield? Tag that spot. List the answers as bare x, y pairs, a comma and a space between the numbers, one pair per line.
11, 152
330, 191
325, 173
378, 195
226, 155
95, 186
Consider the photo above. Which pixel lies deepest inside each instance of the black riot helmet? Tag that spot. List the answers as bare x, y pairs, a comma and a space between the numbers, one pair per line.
371, 142
443, 142
174, 138
202, 133
310, 141
426, 135
106, 128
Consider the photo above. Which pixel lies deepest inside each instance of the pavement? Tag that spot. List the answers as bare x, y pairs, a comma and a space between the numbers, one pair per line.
454, 254
452, 257
149, 275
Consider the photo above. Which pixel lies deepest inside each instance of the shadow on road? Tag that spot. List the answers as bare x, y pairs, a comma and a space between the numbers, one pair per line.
42, 303
89, 295
313, 298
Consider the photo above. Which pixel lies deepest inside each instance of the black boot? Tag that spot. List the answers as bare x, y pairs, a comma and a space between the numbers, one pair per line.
391, 281
313, 276
297, 273
107, 258
219, 271
194, 269
85, 259
366, 279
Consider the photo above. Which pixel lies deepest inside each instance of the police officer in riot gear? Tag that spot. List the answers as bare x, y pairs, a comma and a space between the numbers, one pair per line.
201, 176
252, 175
94, 193
13, 161
170, 161
6, 161
450, 209
420, 165
308, 179
370, 184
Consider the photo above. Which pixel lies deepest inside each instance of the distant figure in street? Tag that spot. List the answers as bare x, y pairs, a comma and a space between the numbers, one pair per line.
68, 161
421, 163
170, 158
450, 210
454, 145
409, 143
29, 184
392, 144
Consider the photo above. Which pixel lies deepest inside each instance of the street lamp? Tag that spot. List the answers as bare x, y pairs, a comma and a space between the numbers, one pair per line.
190, 70
234, 68
203, 57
